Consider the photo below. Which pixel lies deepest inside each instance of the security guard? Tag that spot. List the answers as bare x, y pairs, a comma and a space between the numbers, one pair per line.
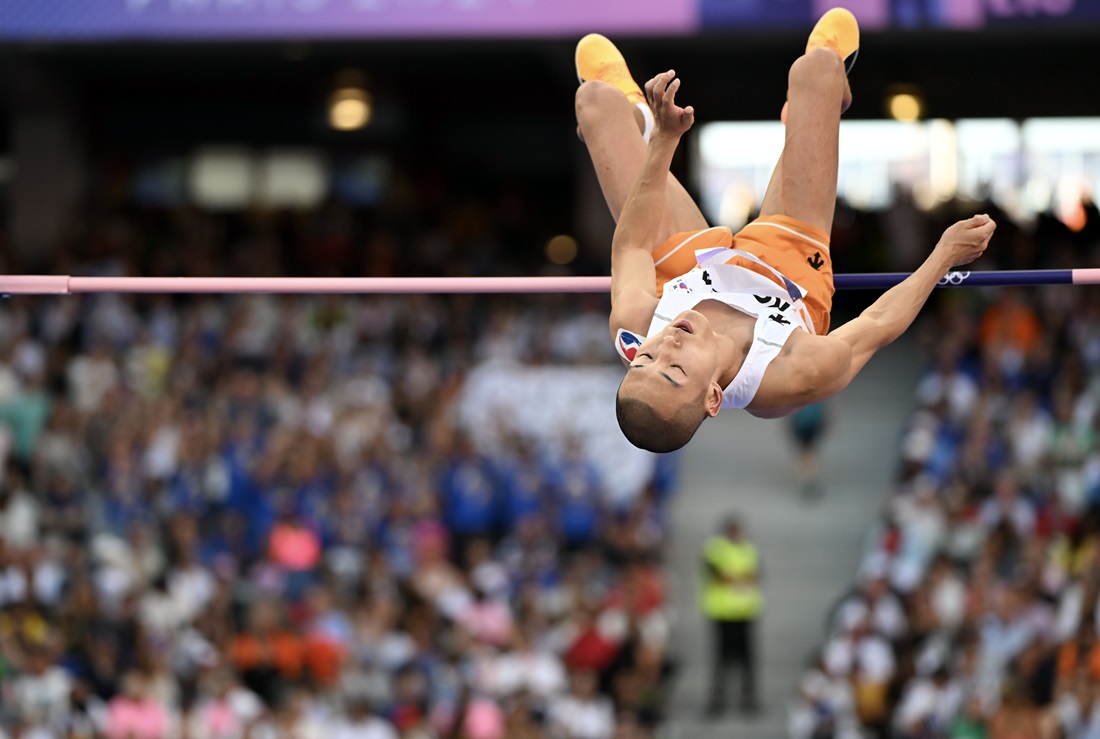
732, 601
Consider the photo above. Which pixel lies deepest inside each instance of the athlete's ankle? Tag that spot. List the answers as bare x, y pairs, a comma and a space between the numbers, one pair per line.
818, 72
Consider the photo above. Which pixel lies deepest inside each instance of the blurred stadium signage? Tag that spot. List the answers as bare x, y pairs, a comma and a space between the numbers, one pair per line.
302, 19
90, 19
899, 14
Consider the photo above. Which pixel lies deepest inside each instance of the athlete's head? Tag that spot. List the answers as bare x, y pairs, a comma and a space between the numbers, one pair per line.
672, 384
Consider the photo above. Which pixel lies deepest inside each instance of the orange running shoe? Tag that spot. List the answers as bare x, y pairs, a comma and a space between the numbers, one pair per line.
837, 30
598, 59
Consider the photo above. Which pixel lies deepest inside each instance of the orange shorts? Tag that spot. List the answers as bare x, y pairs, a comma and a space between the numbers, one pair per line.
798, 251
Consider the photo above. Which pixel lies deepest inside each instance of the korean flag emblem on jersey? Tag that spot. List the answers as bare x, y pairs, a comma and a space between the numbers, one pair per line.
627, 343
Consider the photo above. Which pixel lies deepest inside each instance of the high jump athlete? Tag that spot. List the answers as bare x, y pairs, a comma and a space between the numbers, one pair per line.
706, 319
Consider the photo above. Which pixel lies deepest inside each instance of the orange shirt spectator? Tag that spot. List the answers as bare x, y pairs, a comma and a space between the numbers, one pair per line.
325, 659
1010, 323
282, 650
265, 644
1073, 654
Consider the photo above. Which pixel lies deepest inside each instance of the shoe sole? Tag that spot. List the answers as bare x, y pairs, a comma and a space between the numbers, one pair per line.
850, 62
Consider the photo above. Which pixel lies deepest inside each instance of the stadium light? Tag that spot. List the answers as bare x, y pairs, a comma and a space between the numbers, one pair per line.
904, 104
561, 249
349, 105
349, 109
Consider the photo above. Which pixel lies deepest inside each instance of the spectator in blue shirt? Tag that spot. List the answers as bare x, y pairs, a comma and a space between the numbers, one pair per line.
468, 494
522, 484
578, 497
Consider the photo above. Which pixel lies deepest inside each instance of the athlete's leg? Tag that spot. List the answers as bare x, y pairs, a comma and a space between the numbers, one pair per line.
611, 126
803, 185
772, 204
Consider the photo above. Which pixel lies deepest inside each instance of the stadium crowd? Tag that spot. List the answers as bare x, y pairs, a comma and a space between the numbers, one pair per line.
231, 517
975, 612
269, 517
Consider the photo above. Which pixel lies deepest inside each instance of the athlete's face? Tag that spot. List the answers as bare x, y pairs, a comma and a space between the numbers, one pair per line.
676, 366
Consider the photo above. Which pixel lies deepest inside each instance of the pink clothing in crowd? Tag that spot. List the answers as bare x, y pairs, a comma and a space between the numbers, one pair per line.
136, 719
295, 548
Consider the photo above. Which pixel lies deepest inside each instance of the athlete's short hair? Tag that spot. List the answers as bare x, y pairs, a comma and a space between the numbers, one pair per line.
645, 429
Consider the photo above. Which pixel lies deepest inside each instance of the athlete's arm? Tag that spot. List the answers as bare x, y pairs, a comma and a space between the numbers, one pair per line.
889, 316
817, 367
633, 276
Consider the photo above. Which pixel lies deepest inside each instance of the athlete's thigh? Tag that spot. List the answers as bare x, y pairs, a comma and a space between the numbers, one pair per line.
617, 179
803, 186
618, 152
683, 212
773, 196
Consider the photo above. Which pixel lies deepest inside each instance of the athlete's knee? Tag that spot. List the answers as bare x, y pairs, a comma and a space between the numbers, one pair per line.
818, 69
595, 97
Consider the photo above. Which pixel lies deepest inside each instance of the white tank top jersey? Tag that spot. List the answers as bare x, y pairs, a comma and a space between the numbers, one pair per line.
778, 310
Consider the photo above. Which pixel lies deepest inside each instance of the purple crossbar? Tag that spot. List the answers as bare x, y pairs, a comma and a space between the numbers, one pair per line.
960, 278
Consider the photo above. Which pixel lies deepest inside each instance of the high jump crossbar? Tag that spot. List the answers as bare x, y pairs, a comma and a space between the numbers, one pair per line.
69, 285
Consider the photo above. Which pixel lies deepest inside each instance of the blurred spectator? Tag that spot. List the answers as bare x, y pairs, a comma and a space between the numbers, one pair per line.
40, 694
225, 709
361, 723
948, 383
523, 484
929, 705
1016, 716
594, 639
583, 713
469, 499
731, 600
579, 497
135, 714
825, 703
18, 514
867, 658
807, 427
267, 654
872, 602
1009, 334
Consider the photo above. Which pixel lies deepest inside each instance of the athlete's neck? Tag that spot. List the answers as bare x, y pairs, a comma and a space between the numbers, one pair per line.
733, 330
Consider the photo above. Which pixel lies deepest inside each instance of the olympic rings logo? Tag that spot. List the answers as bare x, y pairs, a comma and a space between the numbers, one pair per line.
954, 279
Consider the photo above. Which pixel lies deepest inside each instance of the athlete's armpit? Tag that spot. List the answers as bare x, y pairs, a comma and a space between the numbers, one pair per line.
812, 369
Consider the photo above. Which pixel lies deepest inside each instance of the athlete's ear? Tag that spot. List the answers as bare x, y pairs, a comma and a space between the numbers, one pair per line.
712, 401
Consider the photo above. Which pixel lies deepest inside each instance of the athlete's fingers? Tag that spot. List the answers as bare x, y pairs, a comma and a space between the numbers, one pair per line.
654, 92
669, 85
651, 90
660, 83
984, 231
670, 92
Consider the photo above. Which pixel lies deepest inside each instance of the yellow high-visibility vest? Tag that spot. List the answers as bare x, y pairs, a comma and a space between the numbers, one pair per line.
722, 601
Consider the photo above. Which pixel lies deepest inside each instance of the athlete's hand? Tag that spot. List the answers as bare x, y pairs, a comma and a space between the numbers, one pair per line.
966, 240
669, 118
